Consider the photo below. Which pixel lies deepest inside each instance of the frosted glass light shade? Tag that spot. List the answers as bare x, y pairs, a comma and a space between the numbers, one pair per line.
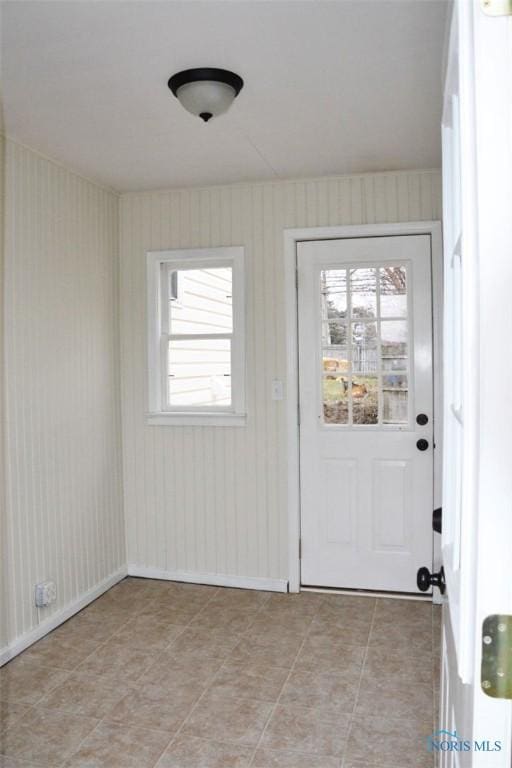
206, 92
206, 97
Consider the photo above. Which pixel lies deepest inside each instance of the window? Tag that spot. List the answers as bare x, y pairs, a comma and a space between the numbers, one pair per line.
196, 337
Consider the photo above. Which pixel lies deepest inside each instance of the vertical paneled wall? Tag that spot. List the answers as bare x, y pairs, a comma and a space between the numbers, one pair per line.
4, 553
212, 500
63, 434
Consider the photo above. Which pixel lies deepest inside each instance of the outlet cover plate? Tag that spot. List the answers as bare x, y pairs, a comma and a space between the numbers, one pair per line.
45, 593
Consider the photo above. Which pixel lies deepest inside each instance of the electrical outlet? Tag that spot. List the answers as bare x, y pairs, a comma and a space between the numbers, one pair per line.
45, 593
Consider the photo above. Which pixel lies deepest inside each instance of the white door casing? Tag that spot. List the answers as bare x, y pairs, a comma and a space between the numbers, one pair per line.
477, 519
366, 489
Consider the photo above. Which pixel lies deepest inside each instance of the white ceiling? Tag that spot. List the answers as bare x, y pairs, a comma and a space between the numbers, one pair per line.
330, 87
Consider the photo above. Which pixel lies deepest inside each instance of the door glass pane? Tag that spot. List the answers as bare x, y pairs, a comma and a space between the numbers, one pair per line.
335, 399
200, 372
393, 291
335, 361
394, 363
334, 334
395, 399
393, 338
333, 291
365, 400
364, 347
363, 292
395, 381
395, 407
200, 301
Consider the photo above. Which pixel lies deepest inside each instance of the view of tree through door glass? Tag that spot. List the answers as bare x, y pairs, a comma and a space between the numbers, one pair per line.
365, 355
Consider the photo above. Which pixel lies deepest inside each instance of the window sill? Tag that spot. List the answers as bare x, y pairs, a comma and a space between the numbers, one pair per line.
163, 419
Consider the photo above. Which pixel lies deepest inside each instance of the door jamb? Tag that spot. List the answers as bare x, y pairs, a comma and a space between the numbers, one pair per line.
291, 238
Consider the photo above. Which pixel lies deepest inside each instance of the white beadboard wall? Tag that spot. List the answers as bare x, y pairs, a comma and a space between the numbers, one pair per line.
206, 502
4, 554
63, 432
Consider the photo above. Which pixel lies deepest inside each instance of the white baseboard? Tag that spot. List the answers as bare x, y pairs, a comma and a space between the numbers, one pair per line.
46, 626
215, 579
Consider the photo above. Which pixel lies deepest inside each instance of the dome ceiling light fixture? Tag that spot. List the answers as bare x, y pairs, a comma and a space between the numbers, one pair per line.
206, 92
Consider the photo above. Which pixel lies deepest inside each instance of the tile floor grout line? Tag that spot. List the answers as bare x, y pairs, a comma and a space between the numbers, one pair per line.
207, 688
276, 703
178, 732
169, 645
100, 645
104, 718
99, 677
240, 636
68, 672
77, 749
356, 698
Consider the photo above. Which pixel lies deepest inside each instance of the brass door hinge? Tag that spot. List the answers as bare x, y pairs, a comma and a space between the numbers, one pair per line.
496, 677
497, 7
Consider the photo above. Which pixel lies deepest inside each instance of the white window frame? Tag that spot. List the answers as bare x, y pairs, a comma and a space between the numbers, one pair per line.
159, 414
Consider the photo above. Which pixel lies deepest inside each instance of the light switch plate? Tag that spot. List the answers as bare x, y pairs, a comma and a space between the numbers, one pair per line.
277, 389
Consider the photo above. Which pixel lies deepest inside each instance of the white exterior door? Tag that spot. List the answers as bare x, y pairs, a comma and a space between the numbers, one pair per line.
477, 493
366, 411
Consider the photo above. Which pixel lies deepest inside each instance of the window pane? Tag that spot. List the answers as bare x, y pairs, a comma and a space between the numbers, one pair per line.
364, 347
200, 372
365, 400
335, 400
363, 293
393, 291
200, 301
393, 338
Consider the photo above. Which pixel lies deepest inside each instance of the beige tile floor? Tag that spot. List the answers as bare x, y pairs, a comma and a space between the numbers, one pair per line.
164, 675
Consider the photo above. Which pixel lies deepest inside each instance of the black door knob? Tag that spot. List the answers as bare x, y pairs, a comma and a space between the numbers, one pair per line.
425, 580
422, 444
422, 419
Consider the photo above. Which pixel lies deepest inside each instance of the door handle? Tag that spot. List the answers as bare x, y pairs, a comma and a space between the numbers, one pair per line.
422, 444
425, 580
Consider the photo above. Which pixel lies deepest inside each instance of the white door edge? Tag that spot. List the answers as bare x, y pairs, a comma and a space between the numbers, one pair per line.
291, 238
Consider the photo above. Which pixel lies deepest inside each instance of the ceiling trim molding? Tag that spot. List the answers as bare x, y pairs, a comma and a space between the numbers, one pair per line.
290, 180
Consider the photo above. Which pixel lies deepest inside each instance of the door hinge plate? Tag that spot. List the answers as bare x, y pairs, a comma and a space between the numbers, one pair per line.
497, 7
496, 677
